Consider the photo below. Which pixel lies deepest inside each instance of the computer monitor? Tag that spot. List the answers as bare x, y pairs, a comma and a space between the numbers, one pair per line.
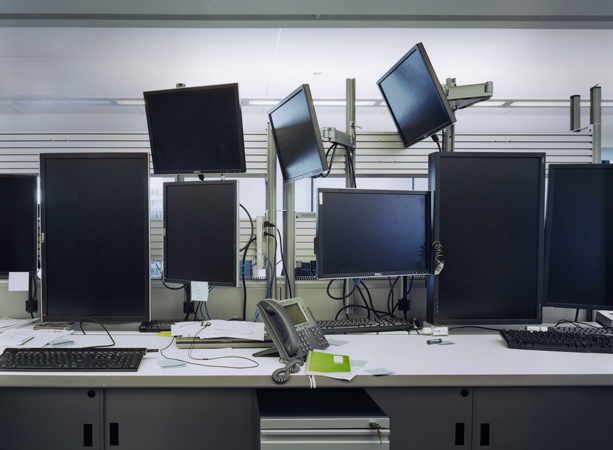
415, 98
579, 237
488, 216
297, 137
18, 223
201, 223
95, 236
372, 233
196, 130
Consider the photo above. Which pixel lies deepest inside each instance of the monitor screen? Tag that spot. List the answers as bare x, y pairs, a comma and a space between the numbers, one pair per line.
201, 224
95, 236
372, 233
488, 216
196, 130
415, 98
579, 236
297, 137
18, 227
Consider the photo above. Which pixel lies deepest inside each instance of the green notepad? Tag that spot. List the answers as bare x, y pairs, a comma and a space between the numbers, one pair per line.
327, 363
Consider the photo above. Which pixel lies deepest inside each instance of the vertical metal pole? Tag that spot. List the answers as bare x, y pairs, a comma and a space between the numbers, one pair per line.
575, 113
596, 121
449, 132
350, 130
271, 207
289, 237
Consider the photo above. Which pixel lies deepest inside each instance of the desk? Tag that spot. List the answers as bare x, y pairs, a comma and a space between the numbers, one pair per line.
474, 394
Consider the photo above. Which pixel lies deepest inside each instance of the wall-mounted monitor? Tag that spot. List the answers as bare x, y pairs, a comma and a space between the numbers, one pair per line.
297, 137
488, 216
196, 130
201, 223
579, 237
18, 223
95, 236
372, 233
415, 98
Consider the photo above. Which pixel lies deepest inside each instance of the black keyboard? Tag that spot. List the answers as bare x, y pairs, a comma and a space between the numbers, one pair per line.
72, 359
345, 326
595, 340
154, 326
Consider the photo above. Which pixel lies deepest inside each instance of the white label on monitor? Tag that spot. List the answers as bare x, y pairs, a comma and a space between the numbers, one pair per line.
200, 291
321, 198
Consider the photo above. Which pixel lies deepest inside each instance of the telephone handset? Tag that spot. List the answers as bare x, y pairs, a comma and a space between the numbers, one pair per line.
291, 327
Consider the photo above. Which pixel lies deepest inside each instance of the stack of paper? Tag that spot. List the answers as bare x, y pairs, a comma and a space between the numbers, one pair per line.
219, 329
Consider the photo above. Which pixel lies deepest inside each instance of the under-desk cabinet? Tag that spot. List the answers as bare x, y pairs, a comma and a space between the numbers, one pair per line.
50, 419
497, 418
115, 419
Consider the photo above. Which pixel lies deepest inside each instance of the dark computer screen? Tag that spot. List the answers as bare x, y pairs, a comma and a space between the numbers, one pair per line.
579, 236
196, 130
488, 215
297, 137
18, 233
201, 232
367, 233
95, 236
415, 98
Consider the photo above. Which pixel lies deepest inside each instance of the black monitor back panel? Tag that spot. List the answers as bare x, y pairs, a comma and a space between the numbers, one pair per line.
95, 236
18, 234
488, 215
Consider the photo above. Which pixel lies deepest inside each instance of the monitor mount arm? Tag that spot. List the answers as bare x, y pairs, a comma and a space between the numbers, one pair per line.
461, 97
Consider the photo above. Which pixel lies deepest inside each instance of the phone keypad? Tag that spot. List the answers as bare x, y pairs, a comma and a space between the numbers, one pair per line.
310, 337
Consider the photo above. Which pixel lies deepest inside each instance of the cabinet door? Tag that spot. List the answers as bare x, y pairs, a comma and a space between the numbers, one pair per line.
427, 418
34, 419
542, 417
178, 418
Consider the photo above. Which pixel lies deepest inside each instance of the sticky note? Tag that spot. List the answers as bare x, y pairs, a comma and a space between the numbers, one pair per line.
171, 364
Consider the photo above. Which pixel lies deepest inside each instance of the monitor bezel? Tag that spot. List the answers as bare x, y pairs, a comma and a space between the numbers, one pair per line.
442, 98
155, 148
34, 178
548, 224
316, 134
320, 244
236, 206
146, 276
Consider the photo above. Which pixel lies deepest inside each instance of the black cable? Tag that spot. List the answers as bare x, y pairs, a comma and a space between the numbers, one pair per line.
363, 299
107, 332
351, 165
333, 149
577, 315
390, 296
436, 140
474, 326
351, 306
372, 306
165, 285
243, 278
255, 363
575, 323
252, 230
338, 298
289, 287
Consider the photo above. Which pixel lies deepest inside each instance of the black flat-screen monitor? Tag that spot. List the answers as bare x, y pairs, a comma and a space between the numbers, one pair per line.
372, 233
488, 216
201, 223
18, 227
196, 130
297, 137
95, 236
415, 98
579, 237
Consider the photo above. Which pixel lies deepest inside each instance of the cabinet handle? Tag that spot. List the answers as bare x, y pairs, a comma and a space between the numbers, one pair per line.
484, 441
459, 434
88, 435
114, 434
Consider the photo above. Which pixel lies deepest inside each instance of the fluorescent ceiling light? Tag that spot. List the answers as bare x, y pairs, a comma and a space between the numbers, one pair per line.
263, 102
131, 102
542, 104
489, 103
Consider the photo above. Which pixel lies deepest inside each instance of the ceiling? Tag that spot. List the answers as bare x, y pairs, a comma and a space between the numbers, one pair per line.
92, 70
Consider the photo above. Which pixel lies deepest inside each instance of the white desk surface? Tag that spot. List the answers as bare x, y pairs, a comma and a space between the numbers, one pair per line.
474, 360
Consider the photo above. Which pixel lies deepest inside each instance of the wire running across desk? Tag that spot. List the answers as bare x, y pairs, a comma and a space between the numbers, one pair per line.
72, 359
585, 340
